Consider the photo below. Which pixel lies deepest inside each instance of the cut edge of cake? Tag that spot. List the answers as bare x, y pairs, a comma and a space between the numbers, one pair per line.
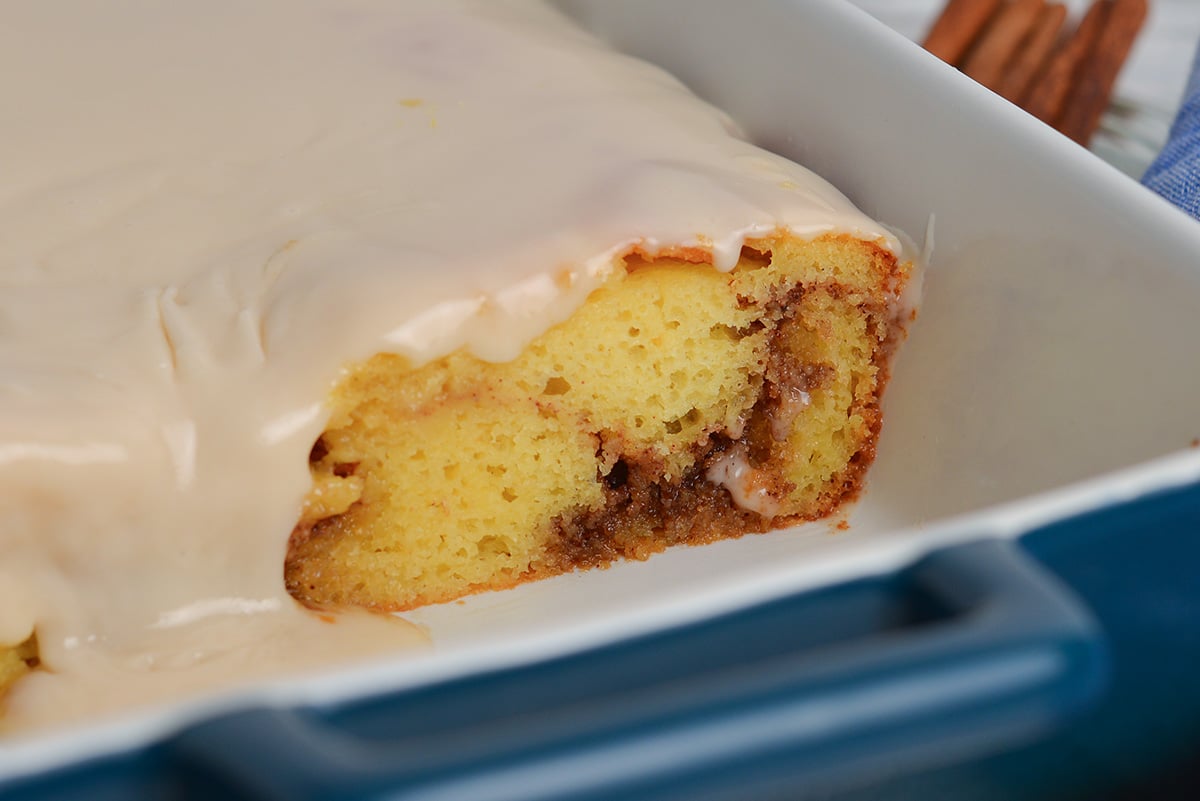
679, 404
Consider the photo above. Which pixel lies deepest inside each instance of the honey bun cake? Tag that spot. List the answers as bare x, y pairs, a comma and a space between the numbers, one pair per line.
314, 309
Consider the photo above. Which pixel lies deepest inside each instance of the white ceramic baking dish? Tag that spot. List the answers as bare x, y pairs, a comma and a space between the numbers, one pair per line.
1052, 370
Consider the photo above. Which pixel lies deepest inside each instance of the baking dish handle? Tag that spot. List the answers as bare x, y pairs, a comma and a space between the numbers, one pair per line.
970, 648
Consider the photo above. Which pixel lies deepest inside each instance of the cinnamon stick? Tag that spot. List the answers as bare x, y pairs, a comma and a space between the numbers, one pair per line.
1093, 88
1048, 96
957, 28
989, 58
1035, 54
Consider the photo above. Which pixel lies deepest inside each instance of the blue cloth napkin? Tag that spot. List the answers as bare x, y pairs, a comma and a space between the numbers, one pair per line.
1175, 174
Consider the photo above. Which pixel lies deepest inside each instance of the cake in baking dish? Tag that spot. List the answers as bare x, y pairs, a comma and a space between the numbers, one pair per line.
390, 302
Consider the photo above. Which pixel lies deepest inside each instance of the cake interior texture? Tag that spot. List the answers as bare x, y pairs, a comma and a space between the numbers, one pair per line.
679, 404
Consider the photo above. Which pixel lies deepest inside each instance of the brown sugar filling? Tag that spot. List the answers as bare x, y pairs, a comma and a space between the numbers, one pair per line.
643, 515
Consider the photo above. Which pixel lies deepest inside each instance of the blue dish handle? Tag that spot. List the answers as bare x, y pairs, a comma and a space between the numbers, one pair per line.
973, 647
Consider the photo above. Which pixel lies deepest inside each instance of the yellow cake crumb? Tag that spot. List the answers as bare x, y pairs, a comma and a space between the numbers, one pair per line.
678, 404
15, 662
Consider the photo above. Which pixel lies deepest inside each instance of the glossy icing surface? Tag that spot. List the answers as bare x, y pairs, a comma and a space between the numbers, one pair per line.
208, 209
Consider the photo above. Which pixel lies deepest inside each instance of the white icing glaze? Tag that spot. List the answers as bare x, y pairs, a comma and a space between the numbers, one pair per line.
790, 406
732, 470
208, 208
